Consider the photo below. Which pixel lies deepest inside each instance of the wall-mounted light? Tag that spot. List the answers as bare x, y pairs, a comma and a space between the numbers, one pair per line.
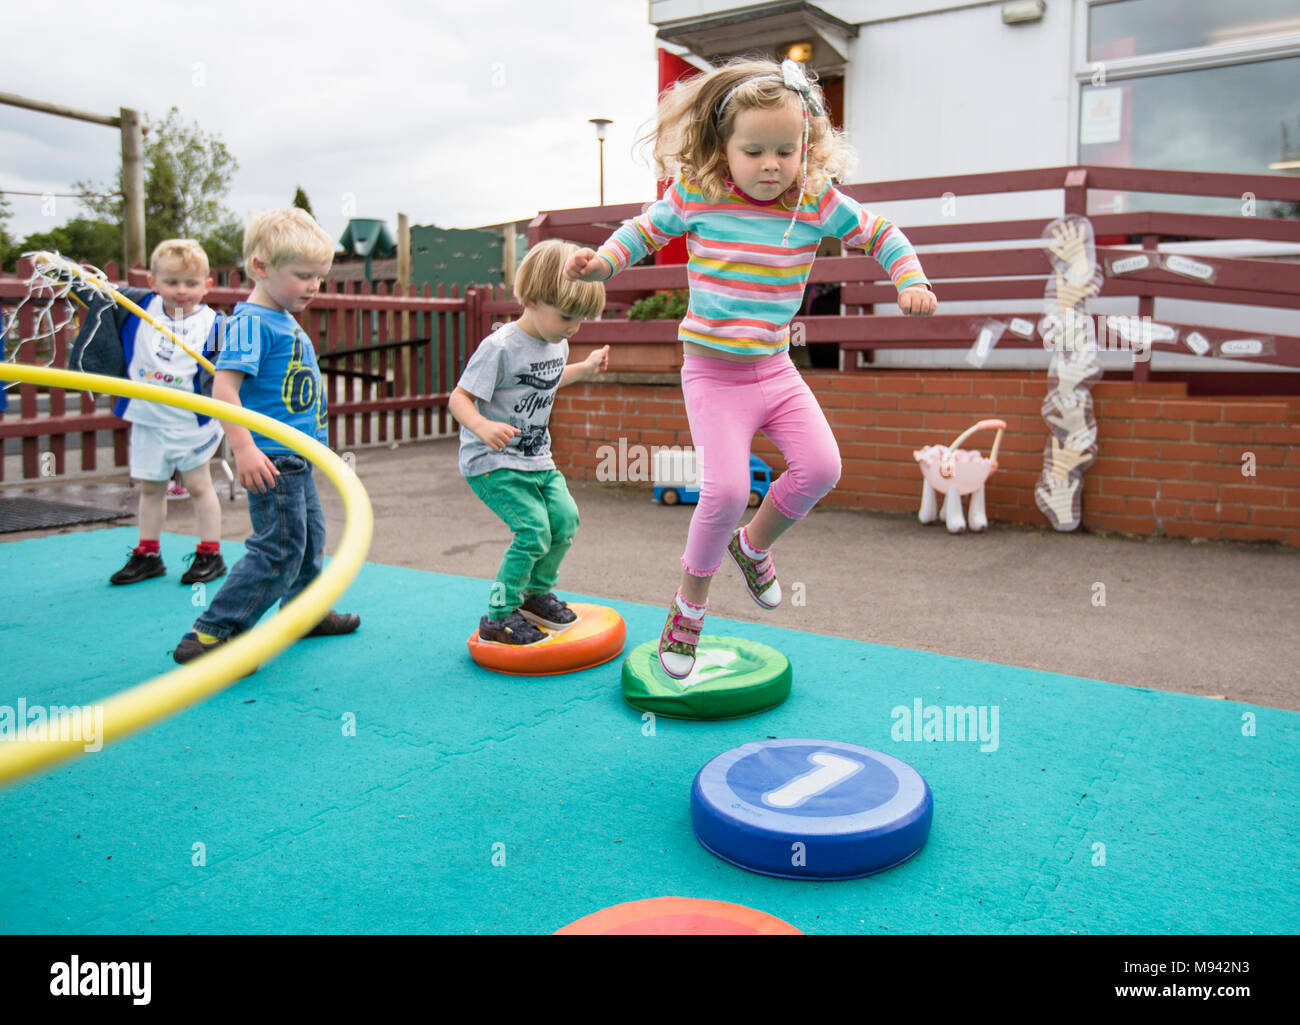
801, 52
1016, 11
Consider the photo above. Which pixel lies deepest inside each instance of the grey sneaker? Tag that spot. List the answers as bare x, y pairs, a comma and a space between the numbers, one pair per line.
191, 648
548, 611
334, 624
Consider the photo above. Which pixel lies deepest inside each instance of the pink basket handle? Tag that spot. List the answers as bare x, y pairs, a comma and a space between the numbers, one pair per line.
983, 425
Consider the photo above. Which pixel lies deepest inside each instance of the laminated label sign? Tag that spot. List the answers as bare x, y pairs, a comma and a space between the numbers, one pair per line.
1129, 264
1189, 268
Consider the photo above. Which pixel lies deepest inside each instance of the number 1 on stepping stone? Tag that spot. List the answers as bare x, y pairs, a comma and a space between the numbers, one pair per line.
847, 810
831, 769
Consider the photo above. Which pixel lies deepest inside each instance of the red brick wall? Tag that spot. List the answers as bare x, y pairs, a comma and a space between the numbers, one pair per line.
1168, 465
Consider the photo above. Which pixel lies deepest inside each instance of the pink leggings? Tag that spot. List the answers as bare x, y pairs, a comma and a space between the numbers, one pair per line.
726, 403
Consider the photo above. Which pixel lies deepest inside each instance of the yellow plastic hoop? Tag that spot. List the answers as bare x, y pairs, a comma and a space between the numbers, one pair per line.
155, 699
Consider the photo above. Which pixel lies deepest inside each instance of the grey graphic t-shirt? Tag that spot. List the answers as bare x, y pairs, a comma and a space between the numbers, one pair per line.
514, 376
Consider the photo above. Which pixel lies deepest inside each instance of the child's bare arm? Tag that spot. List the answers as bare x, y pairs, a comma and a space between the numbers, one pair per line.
495, 434
587, 369
585, 265
256, 471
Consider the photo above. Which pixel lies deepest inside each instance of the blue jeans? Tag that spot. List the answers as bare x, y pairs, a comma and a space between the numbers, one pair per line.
284, 554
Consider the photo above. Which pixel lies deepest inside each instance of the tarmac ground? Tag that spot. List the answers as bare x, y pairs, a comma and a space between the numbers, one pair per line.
1214, 619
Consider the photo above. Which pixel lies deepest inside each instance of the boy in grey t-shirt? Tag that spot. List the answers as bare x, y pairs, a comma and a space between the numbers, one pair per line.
503, 404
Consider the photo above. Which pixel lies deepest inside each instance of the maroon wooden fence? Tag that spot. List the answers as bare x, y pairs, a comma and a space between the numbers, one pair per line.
389, 359
1001, 273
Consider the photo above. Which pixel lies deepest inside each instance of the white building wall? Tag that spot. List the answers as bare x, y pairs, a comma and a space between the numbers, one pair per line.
935, 89
662, 11
958, 92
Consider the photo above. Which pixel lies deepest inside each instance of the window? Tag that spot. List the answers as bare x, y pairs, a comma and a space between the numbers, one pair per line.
1203, 85
1130, 28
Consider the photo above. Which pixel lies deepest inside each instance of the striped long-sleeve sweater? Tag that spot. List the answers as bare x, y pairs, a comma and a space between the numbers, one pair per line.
745, 286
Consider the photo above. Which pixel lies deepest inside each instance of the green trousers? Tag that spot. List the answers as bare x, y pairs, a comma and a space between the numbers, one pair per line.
540, 512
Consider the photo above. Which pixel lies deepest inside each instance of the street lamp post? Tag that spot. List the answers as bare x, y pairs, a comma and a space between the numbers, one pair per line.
600, 123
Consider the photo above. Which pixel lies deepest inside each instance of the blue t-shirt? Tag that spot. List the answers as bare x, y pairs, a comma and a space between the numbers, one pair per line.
282, 379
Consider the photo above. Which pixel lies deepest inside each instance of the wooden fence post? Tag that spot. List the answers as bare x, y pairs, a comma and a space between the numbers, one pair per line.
1147, 311
1076, 191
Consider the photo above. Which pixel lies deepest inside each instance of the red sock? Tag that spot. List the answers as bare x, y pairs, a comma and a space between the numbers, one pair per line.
148, 547
209, 548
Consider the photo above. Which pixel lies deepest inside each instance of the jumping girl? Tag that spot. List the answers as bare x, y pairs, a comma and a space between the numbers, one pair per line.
753, 157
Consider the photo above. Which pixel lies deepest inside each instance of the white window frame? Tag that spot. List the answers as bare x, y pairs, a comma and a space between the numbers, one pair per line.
1194, 59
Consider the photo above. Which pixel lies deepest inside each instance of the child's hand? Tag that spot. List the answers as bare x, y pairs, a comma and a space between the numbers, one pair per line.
598, 361
917, 301
256, 471
585, 265
497, 435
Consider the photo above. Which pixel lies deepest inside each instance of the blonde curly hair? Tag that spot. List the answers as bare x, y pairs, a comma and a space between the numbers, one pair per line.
690, 135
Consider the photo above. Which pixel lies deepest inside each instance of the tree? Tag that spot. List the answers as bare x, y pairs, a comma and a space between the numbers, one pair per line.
225, 243
95, 242
301, 201
187, 174
6, 242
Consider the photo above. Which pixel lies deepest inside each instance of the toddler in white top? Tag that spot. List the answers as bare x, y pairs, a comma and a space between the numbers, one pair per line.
166, 439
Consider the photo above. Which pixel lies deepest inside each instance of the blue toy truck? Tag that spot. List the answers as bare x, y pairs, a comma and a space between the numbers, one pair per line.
677, 479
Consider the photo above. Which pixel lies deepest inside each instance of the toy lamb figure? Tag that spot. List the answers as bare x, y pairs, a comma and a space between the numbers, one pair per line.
952, 471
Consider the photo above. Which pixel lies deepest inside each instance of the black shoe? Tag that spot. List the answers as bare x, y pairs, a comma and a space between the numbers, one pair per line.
141, 566
334, 624
205, 567
548, 611
514, 629
191, 647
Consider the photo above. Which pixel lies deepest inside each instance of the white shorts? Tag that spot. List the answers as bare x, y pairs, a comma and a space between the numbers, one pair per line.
157, 452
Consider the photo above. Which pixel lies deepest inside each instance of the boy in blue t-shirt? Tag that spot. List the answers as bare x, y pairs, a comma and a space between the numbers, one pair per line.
268, 365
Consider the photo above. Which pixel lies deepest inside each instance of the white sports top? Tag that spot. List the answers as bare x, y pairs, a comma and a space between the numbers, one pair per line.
156, 359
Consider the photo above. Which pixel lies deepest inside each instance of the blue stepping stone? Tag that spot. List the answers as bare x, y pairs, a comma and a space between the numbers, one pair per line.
810, 809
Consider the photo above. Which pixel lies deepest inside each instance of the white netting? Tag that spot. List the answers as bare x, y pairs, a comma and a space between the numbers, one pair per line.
50, 311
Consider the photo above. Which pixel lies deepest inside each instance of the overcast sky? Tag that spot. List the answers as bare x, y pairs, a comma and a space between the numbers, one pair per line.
459, 113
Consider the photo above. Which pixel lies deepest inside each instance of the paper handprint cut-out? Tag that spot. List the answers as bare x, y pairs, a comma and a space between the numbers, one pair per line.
1072, 424
1072, 249
1071, 371
1064, 294
1070, 332
1060, 461
1059, 500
